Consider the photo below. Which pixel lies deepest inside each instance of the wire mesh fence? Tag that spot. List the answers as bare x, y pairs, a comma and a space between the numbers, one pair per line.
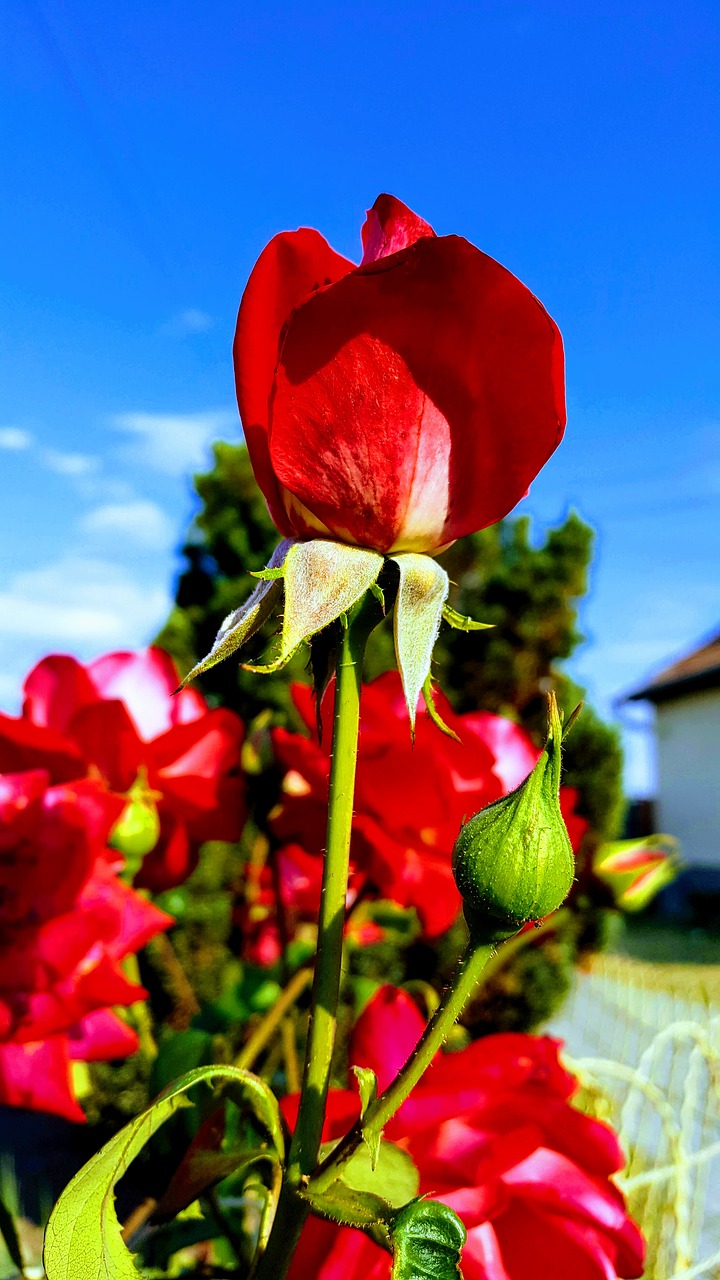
644, 1039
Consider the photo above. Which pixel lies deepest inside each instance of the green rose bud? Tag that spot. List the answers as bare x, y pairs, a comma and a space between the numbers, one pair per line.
513, 862
137, 830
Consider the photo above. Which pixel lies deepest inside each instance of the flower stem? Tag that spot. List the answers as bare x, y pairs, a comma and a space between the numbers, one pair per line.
326, 985
291, 1211
479, 963
436, 1032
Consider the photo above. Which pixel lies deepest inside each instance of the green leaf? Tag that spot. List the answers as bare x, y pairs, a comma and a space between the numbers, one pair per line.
248, 618
426, 1241
393, 1176
10, 1236
323, 580
418, 609
83, 1240
460, 623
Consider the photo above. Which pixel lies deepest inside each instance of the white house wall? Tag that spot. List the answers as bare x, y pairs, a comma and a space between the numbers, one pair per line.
688, 741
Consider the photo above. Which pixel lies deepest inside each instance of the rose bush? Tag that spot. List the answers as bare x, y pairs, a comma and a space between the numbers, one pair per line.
493, 1134
410, 802
66, 924
117, 718
399, 404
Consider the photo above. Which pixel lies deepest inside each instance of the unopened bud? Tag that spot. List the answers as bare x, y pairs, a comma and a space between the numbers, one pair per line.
137, 830
513, 862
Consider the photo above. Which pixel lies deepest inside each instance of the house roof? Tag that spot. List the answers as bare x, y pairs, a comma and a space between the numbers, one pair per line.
697, 670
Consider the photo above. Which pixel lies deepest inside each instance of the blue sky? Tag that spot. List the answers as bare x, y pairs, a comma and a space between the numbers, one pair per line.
150, 150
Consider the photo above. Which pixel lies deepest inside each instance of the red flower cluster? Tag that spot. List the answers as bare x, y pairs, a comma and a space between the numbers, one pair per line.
66, 923
116, 719
493, 1135
410, 802
87, 737
399, 404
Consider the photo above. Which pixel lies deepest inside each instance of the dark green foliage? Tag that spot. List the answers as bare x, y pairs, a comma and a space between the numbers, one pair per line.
592, 762
530, 594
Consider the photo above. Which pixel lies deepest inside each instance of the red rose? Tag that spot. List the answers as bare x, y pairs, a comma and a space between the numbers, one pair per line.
494, 1136
66, 923
118, 716
400, 404
410, 801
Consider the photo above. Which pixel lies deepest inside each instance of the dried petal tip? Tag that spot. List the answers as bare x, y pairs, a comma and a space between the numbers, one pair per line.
513, 862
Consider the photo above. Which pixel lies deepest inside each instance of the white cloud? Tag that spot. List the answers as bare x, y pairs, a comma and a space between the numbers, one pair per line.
15, 438
140, 522
69, 464
174, 443
86, 603
188, 322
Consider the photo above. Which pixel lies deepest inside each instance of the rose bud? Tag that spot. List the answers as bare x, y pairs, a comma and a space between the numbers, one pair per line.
388, 409
399, 404
513, 862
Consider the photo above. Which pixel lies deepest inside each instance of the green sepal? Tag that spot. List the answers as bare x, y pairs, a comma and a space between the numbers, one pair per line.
268, 574
426, 1239
83, 1240
434, 714
461, 623
240, 625
379, 595
421, 595
572, 718
323, 580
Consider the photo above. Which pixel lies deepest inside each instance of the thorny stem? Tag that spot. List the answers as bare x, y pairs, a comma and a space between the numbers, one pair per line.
291, 1211
432, 1039
479, 963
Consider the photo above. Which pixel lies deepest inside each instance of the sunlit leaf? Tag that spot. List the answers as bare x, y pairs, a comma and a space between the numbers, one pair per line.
83, 1240
393, 1176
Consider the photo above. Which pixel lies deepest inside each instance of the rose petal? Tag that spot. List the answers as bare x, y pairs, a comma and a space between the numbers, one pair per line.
292, 266
434, 366
55, 690
390, 226
145, 682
